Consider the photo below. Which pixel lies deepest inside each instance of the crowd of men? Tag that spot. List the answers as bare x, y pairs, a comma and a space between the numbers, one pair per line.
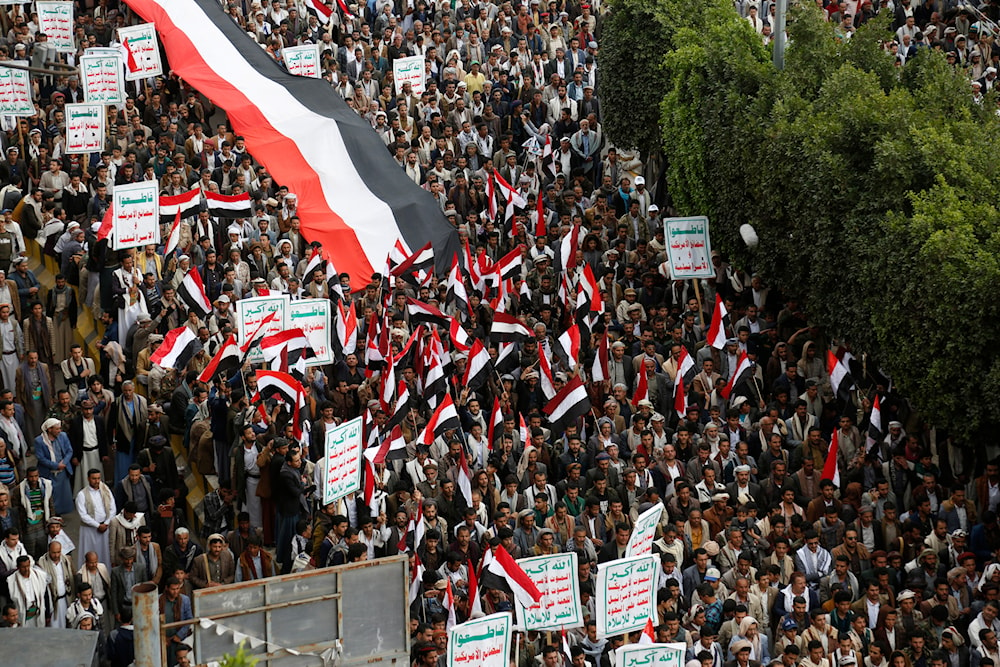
764, 561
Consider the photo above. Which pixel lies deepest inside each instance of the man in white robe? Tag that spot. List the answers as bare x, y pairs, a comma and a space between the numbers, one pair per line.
96, 506
30, 594
59, 575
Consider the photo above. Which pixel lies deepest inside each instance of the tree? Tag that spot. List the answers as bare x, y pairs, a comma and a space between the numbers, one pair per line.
870, 188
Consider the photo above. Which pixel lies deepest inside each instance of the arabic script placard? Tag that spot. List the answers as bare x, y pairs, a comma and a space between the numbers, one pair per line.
409, 70
55, 19
251, 313
313, 317
342, 460
556, 577
141, 51
644, 532
651, 655
626, 595
302, 60
136, 220
84, 128
103, 79
484, 642
15, 91
688, 248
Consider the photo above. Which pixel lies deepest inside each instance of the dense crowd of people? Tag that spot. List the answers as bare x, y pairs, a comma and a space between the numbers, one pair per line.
765, 560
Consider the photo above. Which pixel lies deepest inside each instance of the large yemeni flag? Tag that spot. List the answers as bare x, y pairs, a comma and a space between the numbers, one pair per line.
353, 197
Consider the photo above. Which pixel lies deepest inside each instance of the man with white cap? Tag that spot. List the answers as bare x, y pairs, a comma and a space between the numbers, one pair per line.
988, 81
96, 507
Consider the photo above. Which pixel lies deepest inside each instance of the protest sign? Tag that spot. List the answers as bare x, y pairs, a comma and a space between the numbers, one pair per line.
251, 312
141, 51
484, 642
644, 532
85, 128
55, 19
626, 595
103, 79
136, 220
302, 60
689, 251
15, 91
556, 577
313, 317
651, 655
342, 460
409, 70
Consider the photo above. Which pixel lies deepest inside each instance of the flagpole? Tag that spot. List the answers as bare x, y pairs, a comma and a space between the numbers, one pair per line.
697, 295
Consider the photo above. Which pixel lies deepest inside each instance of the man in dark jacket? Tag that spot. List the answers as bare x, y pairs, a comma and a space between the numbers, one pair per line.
289, 498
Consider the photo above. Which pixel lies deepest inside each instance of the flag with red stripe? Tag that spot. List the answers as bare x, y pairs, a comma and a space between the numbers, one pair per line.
743, 366
228, 358
571, 403
347, 328
717, 329
840, 377
496, 421
478, 366
508, 329
445, 418
831, 469
599, 371
228, 206
503, 565
192, 292
569, 341
641, 386
177, 348
185, 205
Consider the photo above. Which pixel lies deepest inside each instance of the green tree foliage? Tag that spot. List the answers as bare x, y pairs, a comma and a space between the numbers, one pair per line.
870, 186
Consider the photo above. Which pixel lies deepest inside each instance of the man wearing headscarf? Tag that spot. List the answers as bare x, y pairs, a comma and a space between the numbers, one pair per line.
55, 463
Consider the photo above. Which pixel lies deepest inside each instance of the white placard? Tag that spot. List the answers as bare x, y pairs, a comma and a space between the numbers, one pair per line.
84, 128
342, 460
626, 595
651, 655
15, 91
556, 577
136, 210
103, 77
140, 51
644, 532
484, 642
409, 70
313, 317
303, 60
252, 311
55, 19
689, 250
